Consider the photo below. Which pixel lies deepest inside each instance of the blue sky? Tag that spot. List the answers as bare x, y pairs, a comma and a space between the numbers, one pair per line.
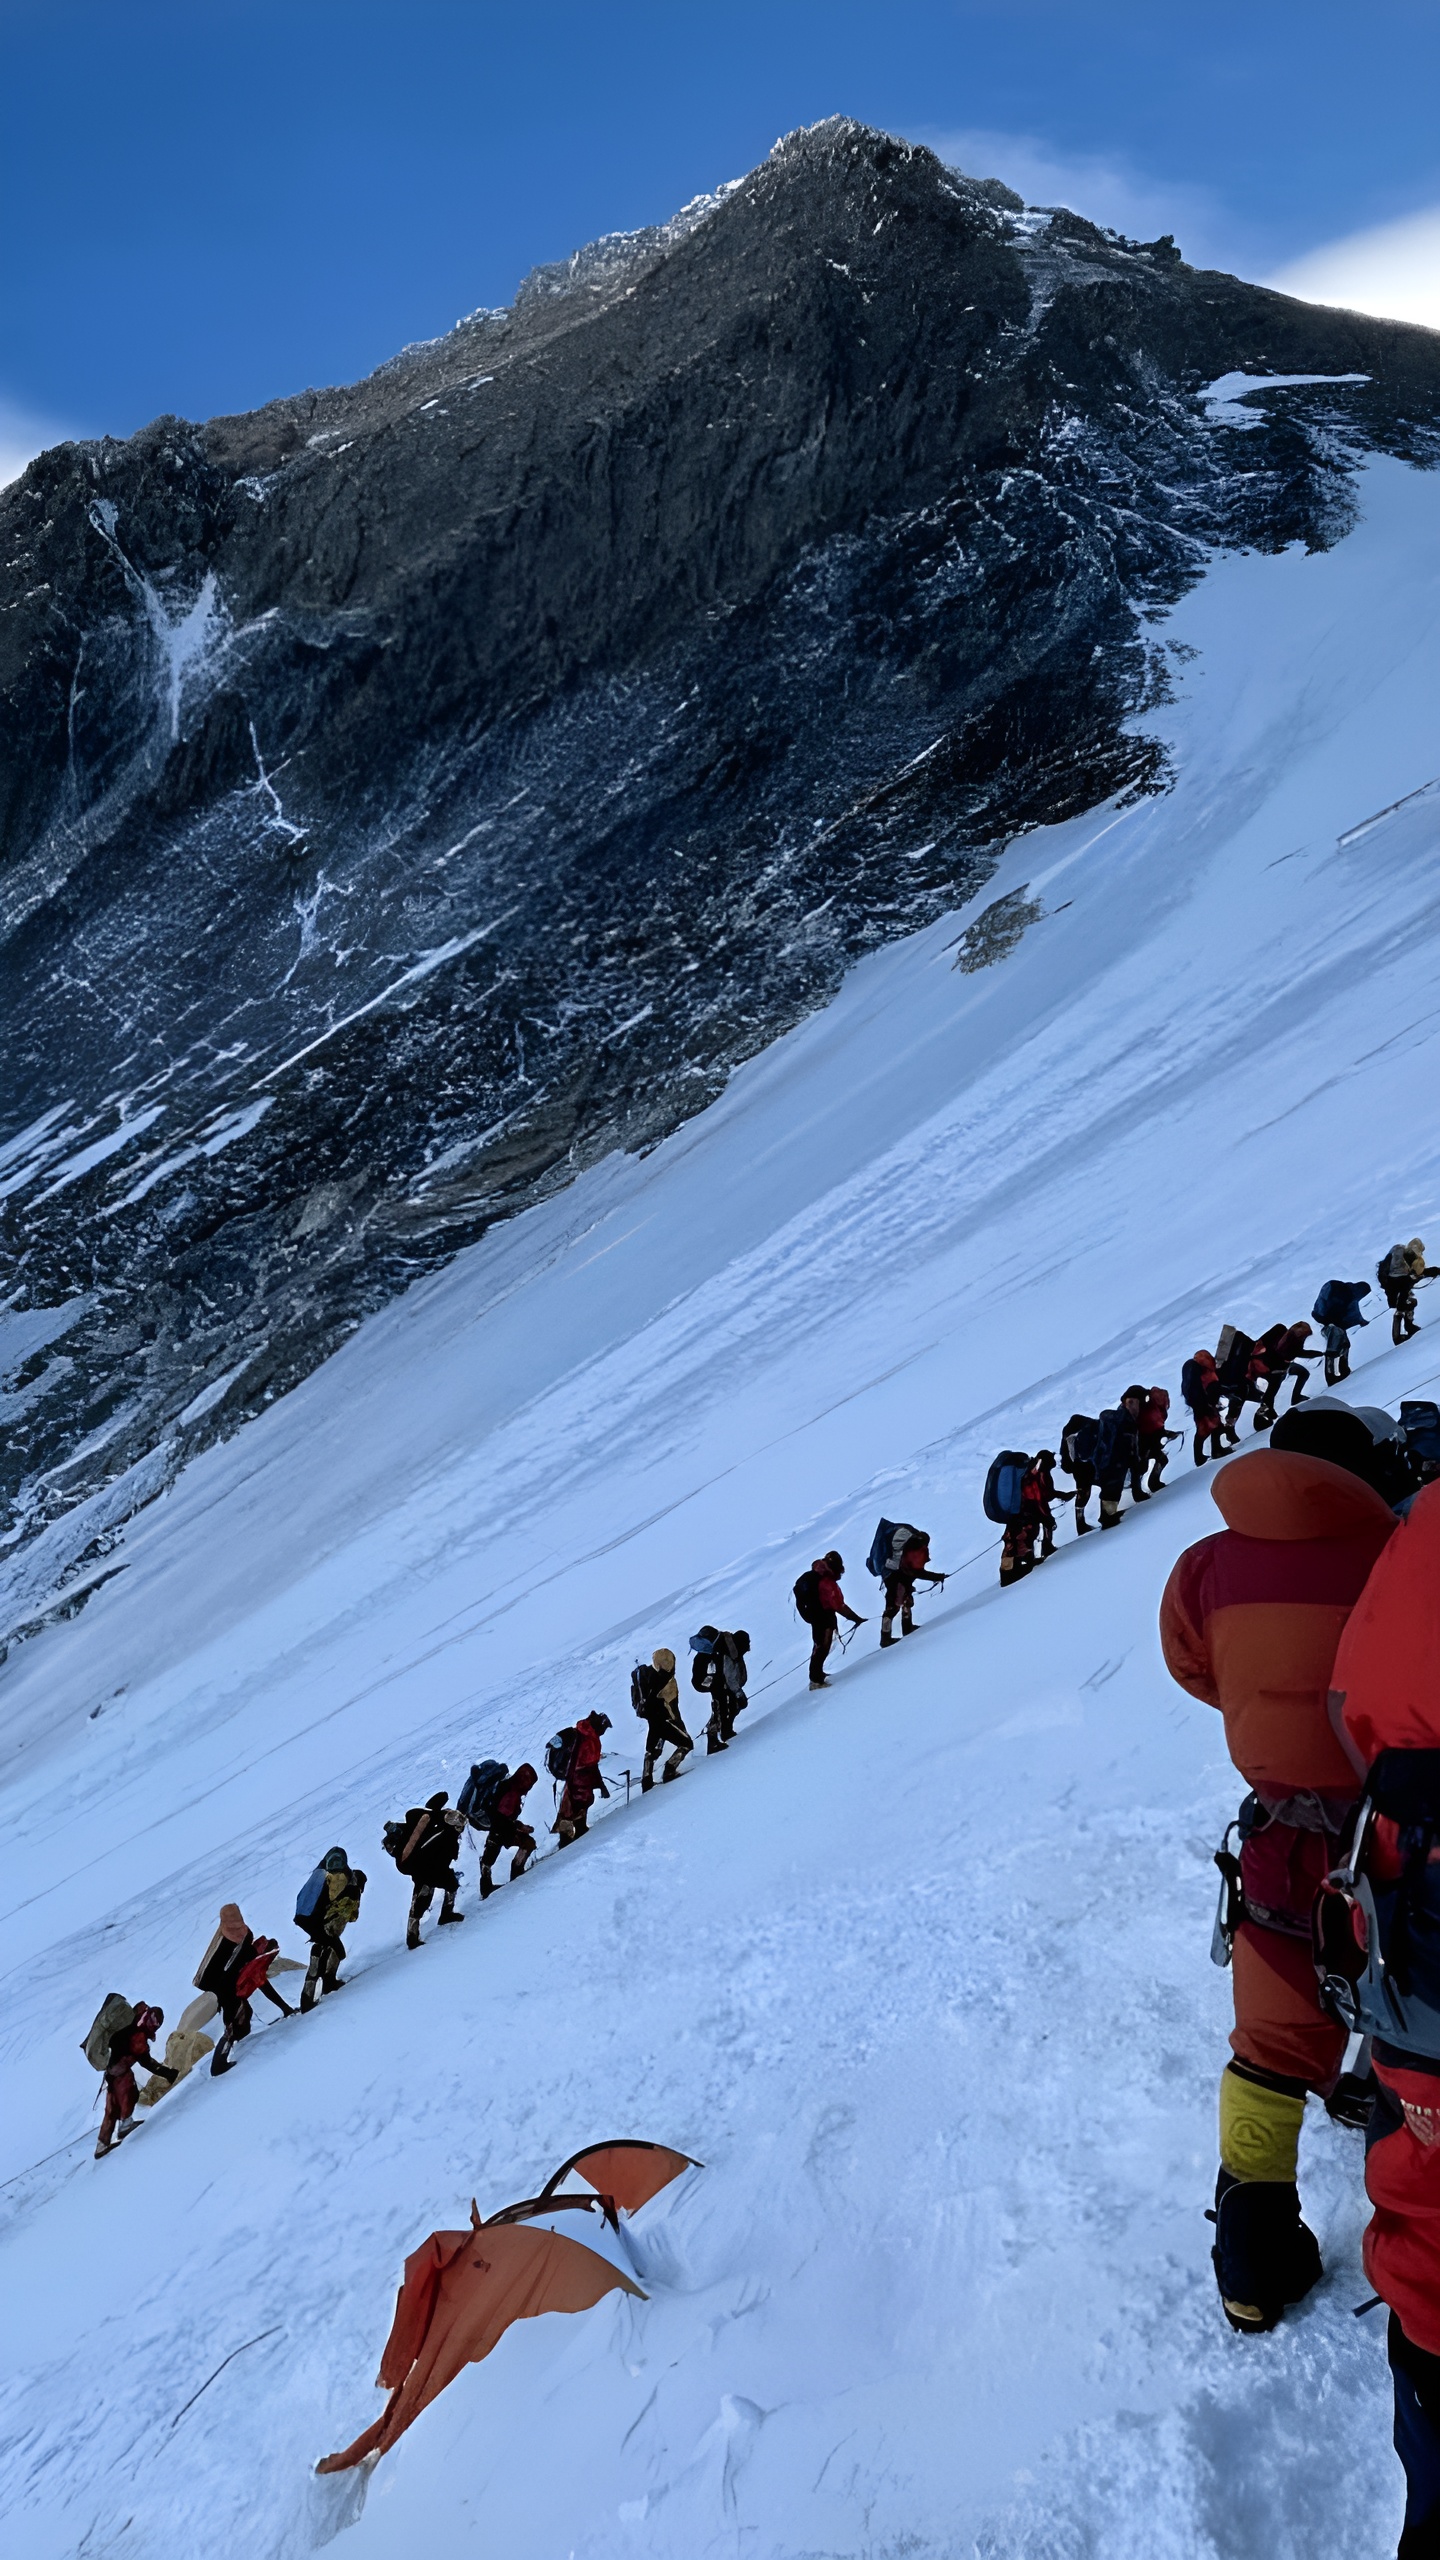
208, 204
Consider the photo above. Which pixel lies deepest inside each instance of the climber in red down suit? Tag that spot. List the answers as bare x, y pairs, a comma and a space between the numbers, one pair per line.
1387, 1693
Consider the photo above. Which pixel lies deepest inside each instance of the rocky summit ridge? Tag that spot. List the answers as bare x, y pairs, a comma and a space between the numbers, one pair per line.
411, 791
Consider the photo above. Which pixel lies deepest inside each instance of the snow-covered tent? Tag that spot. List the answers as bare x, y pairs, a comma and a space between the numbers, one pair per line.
463, 2289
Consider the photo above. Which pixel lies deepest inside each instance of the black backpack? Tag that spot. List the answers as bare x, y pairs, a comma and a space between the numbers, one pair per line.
560, 1751
645, 1687
1376, 1944
702, 1658
394, 1837
1420, 1422
1232, 1356
807, 1594
1077, 1442
477, 1797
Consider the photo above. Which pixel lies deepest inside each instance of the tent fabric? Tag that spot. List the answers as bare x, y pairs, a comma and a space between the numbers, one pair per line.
462, 2291
1387, 1669
630, 2173
594, 2228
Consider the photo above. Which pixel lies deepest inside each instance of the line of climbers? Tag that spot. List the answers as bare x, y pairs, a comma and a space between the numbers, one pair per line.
899, 1557
1312, 1621
424, 1846
1129, 1441
1126, 1441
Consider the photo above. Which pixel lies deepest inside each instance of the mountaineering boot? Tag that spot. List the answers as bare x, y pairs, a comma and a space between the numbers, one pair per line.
448, 1911
1140, 1495
412, 1933
885, 1639
487, 1883
222, 2059
307, 1999
821, 1683
1265, 2257
646, 1783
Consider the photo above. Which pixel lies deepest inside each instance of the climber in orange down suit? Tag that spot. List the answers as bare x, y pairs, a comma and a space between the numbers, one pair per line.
1249, 1622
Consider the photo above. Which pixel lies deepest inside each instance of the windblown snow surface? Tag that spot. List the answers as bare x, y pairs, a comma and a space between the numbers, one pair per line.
919, 1971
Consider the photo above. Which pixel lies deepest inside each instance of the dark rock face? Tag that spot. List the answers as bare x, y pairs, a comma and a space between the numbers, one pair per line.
410, 792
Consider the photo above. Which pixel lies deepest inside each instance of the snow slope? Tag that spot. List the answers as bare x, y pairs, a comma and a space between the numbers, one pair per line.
919, 1970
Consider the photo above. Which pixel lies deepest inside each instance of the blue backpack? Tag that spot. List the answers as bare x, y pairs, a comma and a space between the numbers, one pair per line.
1107, 1432
1003, 1486
890, 1541
1339, 1303
312, 1894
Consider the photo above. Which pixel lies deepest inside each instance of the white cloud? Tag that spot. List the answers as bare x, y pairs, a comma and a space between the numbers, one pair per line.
1105, 190
23, 434
1392, 271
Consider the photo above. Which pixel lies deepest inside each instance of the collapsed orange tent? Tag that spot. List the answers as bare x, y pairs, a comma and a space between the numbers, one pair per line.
463, 2289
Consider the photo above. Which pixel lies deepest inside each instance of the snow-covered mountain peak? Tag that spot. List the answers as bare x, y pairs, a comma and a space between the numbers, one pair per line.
415, 791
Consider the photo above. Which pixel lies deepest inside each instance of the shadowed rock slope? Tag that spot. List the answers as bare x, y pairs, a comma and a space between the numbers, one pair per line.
409, 792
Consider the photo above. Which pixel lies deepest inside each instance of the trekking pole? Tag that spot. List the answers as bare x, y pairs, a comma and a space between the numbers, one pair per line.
625, 1774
